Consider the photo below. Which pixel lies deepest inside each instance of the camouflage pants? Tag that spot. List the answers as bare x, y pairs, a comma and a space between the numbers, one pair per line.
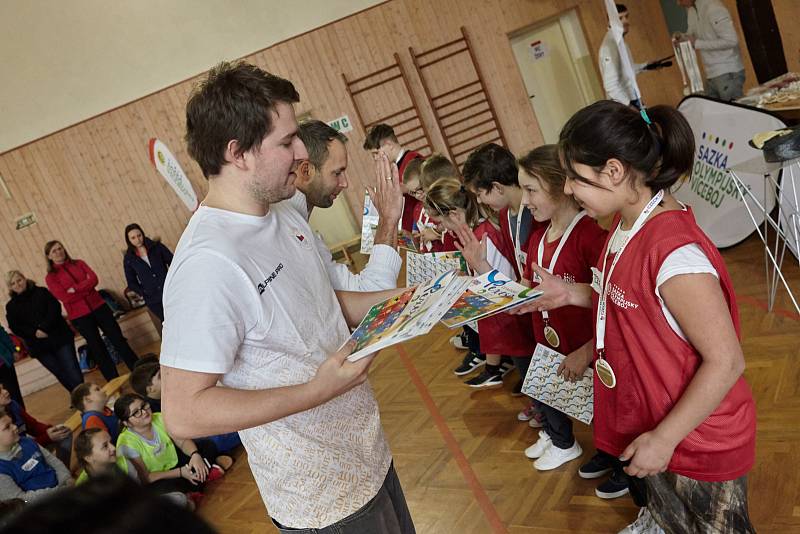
681, 505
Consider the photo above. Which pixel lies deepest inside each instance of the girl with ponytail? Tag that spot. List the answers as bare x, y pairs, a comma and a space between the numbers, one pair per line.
669, 395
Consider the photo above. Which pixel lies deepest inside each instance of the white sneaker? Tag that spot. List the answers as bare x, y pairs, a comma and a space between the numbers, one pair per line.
555, 457
458, 342
644, 524
538, 448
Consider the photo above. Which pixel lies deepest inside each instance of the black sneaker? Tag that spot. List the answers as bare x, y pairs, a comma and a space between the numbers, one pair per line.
471, 362
506, 365
485, 380
599, 465
616, 486
517, 391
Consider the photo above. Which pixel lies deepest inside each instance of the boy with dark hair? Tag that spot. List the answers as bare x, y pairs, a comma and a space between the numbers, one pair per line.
381, 138
146, 381
491, 173
90, 399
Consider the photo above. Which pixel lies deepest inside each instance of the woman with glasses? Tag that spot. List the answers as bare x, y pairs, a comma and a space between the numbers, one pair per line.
166, 464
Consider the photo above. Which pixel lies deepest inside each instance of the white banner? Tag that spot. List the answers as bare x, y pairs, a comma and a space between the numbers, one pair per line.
721, 135
625, 60
166, 164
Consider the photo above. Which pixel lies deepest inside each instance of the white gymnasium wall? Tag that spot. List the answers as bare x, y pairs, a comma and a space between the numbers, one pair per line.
67, 60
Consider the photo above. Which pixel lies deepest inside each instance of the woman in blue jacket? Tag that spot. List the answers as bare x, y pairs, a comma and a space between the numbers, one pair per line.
146, 263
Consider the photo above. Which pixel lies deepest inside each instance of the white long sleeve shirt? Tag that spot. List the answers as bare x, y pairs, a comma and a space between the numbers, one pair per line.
380, 272
710, 23
617, 86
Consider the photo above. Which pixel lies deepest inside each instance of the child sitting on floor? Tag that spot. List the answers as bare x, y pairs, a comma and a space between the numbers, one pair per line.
57, 437
90, 399
28, 471
146, 381
97, 456
167, 464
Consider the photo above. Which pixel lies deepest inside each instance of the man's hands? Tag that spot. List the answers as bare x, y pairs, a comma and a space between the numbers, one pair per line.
387, 194
338, 375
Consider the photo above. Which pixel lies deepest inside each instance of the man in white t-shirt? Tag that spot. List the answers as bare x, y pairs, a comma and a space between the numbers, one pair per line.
320, 179
253, 328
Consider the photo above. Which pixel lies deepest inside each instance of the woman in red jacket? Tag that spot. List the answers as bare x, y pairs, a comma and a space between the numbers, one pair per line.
73, 283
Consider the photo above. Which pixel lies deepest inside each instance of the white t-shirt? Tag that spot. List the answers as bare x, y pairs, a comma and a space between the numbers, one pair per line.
688, 259
616, 84
248, 297
380, 272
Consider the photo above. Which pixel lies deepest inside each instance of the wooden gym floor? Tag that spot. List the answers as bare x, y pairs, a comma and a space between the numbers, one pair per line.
459, 453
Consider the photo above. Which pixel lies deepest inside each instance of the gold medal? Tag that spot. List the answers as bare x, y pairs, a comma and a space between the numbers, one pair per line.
551, 336
605, 373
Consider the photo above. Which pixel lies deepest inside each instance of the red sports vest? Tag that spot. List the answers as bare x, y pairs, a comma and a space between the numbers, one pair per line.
578, 256
654, 365
509, 335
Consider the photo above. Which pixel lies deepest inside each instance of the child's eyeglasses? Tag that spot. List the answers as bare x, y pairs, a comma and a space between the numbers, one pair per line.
442, 213
140, 411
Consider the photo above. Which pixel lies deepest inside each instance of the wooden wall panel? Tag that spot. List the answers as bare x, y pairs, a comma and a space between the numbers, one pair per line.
786, 12
87, 182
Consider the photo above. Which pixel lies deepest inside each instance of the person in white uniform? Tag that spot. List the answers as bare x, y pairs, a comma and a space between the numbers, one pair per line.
254, 334
616, 84
711, 31
320, 180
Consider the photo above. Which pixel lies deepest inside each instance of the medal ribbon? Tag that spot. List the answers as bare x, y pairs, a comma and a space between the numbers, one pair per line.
600, 327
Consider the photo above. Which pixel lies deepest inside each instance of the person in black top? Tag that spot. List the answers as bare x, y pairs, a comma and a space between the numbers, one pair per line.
34, 314
146, 263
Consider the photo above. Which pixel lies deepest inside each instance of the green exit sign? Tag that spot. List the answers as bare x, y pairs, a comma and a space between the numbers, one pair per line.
25, 221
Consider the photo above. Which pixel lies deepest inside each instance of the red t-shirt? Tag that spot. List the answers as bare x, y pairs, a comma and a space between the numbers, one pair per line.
654, 365
579, 254
509, 335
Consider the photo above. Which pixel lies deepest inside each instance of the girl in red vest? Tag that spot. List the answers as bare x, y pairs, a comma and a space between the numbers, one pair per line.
568, 247
669, 393
501, 336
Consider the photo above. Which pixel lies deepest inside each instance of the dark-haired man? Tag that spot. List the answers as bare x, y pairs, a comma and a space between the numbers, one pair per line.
320, 179
253, 329
382, 139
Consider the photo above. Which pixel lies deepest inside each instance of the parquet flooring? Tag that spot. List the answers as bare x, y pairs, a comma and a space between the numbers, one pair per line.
459, 453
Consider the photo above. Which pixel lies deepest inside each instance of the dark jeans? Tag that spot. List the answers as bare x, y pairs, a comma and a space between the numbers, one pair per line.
471, 340
89, 327
386, 513
556, 423
168, 485
8, 377
63, 363
157, 308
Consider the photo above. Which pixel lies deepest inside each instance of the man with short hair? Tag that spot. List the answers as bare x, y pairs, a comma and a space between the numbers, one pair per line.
255, 337
382, 139
711, 31
320, 179
617, 85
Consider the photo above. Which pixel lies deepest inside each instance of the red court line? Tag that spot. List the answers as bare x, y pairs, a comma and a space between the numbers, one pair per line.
470, 478
758, 303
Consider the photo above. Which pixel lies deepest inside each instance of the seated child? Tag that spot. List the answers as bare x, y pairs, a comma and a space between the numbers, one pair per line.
90, 399
28, 471
166, 464
57, 437
97, 456
146, 381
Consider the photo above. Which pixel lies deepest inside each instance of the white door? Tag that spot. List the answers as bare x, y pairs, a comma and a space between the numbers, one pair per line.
558, 71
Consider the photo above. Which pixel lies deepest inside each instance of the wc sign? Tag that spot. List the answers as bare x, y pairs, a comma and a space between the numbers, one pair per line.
342, 124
